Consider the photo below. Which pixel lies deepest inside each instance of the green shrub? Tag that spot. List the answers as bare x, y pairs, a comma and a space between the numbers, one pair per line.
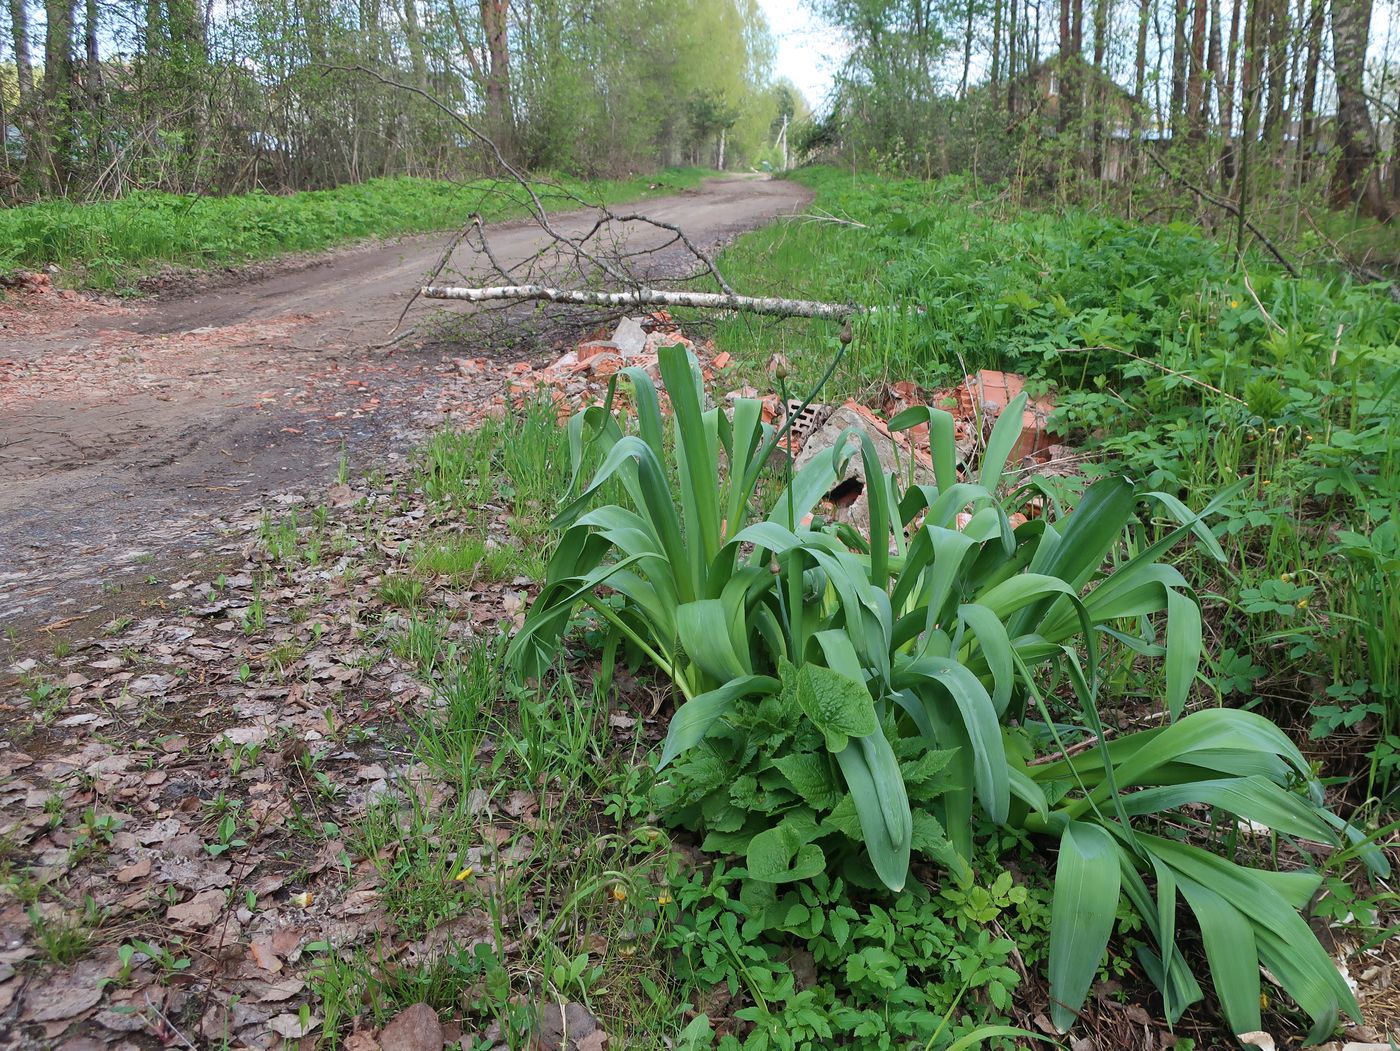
850, 701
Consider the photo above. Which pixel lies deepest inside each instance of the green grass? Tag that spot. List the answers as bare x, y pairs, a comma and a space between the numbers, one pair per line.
112, 244
1166, 362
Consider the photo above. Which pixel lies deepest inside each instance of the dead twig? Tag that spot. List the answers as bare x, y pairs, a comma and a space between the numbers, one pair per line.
1255, 296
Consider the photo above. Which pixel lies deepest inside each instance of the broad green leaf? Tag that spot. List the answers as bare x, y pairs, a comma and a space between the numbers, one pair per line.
1228, 937
990, 634
693, 719
979, 718
979, 1036
810, 777
1253, 798
1005, 433
1183, 648
877, 790
1087, 885
784, 853
705, 633
839, 706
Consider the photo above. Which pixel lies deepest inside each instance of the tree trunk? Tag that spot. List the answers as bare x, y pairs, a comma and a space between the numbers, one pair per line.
1140, 67
1227, 111
1100, 100
413, 31
1179, 46
967, 50
92, 67
1012, 54
24, 66
772, 306
1196, 75
1213, 69
1356, 180
58, 89
1276, 68
499, 113
1066, 59
1307, 103
996, 51
1249, 117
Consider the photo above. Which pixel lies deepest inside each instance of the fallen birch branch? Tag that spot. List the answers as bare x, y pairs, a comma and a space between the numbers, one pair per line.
771, 305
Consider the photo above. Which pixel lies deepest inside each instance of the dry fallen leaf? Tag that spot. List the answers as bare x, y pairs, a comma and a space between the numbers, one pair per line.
71, 992
291, 1026
261, 951
200, 911
136, 870
276, 992
415, 1028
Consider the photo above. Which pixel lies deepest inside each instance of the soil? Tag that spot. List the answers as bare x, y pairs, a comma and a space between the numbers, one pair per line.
129, 429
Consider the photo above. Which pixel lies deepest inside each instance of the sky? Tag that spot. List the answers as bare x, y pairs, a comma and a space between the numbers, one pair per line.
808, 50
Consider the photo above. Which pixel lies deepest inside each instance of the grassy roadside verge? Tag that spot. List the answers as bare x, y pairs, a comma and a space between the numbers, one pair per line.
1168, 362
110, 244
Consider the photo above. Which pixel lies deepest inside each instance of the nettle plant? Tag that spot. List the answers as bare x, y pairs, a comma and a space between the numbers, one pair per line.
857, 702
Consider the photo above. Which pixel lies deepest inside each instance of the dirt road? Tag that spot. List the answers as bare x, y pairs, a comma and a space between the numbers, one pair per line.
127, 430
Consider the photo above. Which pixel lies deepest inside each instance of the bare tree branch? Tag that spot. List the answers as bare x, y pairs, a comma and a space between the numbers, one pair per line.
772, 306
1229, 206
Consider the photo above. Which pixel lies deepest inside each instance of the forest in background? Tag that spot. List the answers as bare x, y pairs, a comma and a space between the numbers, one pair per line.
98, 97
1222, 111
1273, 114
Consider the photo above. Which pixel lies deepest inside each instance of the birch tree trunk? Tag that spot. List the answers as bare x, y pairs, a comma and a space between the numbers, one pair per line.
1276, 68
996, 51
1012, 53
1356, 180
771, 305
1066, 58
1100, 100
1213, 69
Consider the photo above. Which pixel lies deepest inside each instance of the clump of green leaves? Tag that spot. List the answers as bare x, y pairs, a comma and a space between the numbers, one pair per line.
853, 700
924, 967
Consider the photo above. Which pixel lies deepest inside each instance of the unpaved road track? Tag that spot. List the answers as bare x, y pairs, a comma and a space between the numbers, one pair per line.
127, 430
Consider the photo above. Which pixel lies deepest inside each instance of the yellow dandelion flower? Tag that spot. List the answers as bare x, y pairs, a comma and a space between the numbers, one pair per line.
1287, 578
1234, 304
466, 873
663, 898
619, 893
1302, 603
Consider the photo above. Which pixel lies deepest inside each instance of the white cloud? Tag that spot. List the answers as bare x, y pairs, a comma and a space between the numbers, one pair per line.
809, 50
